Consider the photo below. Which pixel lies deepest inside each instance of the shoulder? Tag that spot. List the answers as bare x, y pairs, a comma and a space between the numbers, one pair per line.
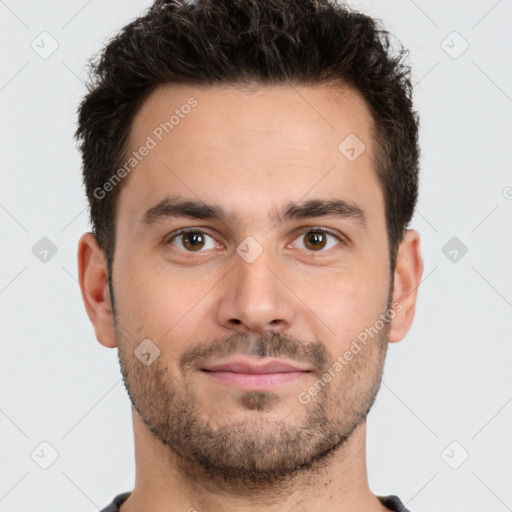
117, 502
393, 503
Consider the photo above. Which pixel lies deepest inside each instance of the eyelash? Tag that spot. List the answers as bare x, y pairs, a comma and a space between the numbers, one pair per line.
313, 229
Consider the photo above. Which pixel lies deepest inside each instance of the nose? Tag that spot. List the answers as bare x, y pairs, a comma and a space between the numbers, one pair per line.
255, 297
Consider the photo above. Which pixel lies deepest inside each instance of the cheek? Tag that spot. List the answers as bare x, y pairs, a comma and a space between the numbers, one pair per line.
161, 305
345, 303
138, 297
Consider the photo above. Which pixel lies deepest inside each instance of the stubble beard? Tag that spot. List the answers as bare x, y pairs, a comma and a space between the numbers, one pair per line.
259, 452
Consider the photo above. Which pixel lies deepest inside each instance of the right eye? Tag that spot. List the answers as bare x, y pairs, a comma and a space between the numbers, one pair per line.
191, 240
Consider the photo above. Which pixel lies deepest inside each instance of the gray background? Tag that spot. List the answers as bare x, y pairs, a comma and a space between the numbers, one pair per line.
447, 389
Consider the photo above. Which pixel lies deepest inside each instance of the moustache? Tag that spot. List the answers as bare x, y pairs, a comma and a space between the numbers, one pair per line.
270, 344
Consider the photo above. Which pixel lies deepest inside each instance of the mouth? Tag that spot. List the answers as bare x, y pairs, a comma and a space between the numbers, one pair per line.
250, 374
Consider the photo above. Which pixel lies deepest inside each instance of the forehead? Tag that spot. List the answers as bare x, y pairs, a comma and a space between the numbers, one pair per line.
249, 149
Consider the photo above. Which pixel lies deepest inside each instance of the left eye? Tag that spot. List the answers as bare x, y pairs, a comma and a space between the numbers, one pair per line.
317, 239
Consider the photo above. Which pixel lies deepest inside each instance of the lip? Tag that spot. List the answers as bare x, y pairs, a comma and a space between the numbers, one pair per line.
251, 366
254, 375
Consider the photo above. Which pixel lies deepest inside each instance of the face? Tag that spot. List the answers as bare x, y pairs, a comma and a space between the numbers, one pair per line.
252, 252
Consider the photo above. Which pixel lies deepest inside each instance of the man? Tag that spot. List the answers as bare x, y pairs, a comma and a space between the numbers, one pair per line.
251, 168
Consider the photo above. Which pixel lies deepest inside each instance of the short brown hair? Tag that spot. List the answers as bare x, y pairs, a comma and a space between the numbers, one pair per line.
242, 42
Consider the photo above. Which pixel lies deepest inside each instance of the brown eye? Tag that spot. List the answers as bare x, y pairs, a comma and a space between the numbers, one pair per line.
318, 240
315, 240
192, 241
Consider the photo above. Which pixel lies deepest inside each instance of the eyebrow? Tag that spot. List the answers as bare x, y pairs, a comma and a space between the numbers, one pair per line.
176, 207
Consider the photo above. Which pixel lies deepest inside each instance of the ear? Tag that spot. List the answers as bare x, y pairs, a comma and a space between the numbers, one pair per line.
407, 277
93, 279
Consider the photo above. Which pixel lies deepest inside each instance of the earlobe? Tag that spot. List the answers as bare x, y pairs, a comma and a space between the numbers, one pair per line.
407, 277
93, 279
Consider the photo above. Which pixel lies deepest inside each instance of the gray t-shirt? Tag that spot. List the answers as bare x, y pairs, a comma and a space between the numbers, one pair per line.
391, 502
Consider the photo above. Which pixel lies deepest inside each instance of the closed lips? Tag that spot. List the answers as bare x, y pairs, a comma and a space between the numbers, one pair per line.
242, 367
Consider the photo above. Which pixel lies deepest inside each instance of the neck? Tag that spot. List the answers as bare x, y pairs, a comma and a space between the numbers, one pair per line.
165, 483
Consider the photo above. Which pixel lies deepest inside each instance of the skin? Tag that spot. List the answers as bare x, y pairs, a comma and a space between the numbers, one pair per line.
251, 152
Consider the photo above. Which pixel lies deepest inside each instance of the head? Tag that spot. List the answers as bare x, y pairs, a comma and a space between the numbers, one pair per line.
282, 137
